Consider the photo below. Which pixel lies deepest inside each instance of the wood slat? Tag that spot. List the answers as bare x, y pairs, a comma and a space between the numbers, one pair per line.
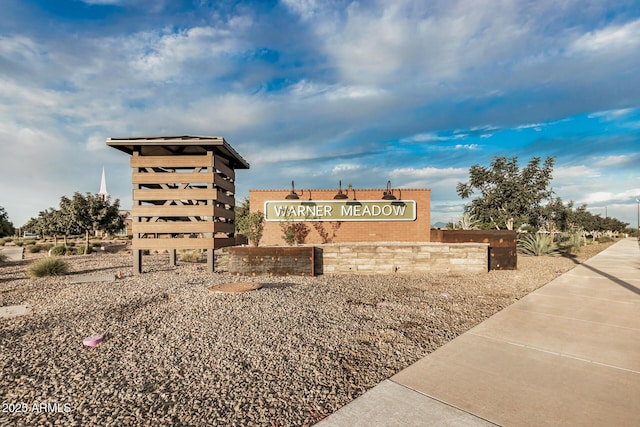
224, 227
184, 194
224, 184
201, 243
179, 227
172, 211
170, 161
176, 178
223, 198
174, 227
224, 213
224, 242
224, 168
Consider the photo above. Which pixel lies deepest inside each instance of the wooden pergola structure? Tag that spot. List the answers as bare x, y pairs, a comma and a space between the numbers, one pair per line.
183, 193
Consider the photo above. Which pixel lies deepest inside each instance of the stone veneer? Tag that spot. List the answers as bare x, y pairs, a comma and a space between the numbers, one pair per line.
392, 257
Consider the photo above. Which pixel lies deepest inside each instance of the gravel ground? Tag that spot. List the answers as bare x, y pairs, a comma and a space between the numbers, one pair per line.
174, 353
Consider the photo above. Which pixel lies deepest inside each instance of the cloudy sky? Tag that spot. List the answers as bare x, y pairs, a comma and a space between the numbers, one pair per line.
414, 92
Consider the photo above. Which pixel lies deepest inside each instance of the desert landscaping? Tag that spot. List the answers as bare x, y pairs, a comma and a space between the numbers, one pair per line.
175, 353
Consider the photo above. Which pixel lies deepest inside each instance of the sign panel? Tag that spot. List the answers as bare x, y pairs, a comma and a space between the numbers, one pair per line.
340, 210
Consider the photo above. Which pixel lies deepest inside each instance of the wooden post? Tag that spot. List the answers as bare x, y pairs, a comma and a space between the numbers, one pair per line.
137, 254
137, 262
210, 261
172, 257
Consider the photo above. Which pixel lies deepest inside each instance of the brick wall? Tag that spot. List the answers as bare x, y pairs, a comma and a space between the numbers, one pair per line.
352, 231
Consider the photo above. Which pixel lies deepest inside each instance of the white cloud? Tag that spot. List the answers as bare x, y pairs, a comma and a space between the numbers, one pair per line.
167, 57
611, 161
564, 173
609, 196
345, 167
424, 137
613, 37
305, 8
102, 2
428, 172
467, 147
612, 115
536, 126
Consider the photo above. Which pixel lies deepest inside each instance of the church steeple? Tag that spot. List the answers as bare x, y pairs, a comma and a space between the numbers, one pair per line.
103, 186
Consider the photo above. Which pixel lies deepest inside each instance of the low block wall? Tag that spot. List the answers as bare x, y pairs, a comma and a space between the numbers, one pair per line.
388, 258
272, 260
503, 253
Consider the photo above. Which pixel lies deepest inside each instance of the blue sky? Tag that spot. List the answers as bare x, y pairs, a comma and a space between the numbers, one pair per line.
319, 91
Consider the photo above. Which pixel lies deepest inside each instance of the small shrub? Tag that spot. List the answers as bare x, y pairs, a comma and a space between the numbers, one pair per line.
5, 240
574, 242
58, 250
191, 256
51, 266
604, 239
80, 250
537, 245
28, 242
18, 242
294, 232
96, 244
3, 259
34, 249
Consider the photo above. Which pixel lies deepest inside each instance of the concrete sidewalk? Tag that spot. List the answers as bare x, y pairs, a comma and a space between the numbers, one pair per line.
568, 354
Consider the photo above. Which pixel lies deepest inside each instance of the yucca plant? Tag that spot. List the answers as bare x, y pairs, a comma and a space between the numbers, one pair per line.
538, 245
468, 222
50, 266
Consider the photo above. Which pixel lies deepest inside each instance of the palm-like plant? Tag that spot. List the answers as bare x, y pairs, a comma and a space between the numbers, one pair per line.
538, 245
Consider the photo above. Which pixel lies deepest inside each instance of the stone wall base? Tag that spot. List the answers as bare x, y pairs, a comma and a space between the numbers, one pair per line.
385, 258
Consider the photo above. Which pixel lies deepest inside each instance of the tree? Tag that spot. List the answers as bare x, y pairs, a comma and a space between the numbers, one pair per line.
6, 226
242, 210
91, 212
508, 196
252, 226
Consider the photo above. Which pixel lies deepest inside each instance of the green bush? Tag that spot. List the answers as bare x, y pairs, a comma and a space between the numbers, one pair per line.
58, 250
50, 266
28, 242
5, 240
34, 249
191, 256
18, 242
604, 239
573, 243
80, 250
537, 245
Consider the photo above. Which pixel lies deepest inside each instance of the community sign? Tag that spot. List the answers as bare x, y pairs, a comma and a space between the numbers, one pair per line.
340, 210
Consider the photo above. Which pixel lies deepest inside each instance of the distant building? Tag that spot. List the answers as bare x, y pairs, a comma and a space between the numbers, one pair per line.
103, 186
